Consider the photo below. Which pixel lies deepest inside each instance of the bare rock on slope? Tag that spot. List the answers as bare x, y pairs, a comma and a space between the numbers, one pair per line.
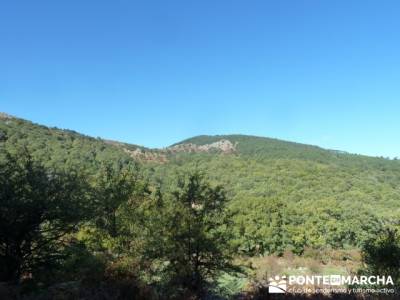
225, 146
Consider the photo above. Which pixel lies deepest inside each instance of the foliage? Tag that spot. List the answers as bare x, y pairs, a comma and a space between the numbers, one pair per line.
195, 230
114, 186
59, 149
381, 254
88, 210
37, 209
321, 205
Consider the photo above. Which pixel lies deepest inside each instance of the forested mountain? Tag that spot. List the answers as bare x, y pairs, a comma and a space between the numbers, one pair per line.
281, 196
55, 147
321, 197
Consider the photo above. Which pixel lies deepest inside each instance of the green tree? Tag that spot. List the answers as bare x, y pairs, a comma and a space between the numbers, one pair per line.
38, 207
381, 254
196, 234
114, 186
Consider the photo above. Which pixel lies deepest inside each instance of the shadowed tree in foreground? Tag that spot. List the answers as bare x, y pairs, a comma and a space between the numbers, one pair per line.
381, 254
196, 234
38, 207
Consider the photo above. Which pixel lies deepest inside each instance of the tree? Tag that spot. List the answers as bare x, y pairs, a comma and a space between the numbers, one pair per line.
38, 207
381, 254
196, 234
114, 185
262, 226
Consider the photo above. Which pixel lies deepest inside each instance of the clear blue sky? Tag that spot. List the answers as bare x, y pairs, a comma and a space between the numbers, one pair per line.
155, 72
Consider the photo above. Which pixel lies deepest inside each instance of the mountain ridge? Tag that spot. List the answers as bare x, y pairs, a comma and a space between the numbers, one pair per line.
230, 143
317, 188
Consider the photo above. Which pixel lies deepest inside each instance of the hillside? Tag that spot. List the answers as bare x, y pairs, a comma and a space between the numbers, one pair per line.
24, 132
58, 148
262, 147
312, 196
320, 198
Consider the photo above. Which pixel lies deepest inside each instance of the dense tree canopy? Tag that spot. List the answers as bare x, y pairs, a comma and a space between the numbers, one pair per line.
197, 233
100, 211
37, 208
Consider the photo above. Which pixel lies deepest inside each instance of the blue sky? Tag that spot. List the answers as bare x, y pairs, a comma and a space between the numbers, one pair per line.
156, 72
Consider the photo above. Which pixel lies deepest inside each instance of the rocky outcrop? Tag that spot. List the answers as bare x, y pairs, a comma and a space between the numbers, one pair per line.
144, 155
224, 146
161, 155
5, 116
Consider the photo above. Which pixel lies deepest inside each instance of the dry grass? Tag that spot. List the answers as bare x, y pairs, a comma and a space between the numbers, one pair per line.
312, 262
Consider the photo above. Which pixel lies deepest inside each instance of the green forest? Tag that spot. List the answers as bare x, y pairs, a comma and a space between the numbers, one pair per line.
211, 217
